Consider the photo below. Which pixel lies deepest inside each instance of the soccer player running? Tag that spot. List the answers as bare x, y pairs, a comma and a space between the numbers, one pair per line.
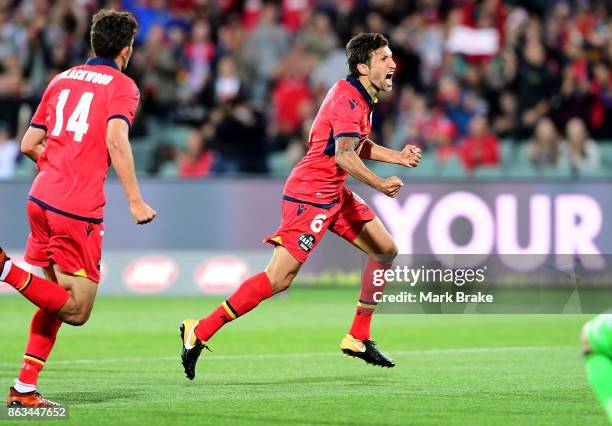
315, 200
80, 127
597, 344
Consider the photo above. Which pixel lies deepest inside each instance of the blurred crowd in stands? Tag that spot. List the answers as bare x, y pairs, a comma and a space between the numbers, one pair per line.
231, 86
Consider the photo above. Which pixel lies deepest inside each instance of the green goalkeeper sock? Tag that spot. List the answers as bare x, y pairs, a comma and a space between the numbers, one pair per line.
599, 372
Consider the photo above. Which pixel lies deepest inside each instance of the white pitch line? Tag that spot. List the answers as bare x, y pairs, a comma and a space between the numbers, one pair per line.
213, 357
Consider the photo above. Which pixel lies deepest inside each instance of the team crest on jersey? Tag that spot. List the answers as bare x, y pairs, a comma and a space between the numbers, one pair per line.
306, 241
353, 103
358, 198
88, 229
300, 209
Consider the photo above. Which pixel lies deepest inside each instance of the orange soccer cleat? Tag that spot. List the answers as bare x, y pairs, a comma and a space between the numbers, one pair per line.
28, 399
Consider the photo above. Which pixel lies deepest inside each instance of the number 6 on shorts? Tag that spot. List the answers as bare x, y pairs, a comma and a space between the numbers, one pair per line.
317, 223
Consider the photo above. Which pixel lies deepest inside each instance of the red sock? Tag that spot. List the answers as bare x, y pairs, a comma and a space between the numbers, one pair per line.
253, 291
43, 331
43, 293
360, 329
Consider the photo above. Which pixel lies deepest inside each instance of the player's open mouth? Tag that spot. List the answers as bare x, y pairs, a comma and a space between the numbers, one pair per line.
389, 78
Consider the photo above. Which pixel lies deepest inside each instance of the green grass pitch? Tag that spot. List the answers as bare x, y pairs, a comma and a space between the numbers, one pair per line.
281, 365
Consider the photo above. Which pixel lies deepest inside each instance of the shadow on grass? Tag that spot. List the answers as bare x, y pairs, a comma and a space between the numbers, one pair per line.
92, 397
337, 380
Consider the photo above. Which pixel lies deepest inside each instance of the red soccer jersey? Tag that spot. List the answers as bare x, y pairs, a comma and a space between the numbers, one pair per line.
346, 112
74, 111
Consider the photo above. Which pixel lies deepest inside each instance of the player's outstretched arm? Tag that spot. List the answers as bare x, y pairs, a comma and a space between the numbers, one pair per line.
122, 159
410, 156
33, 143
347, 159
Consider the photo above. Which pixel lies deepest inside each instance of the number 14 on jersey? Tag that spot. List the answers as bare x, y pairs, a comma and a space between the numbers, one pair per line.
77, 122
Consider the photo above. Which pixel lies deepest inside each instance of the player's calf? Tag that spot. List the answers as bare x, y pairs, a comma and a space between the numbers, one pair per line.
195, 334
277, 277
77, 309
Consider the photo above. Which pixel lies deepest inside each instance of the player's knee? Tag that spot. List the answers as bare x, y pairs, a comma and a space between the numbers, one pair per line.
77, 316
77, 319
281, 275
281, 282
584, 339
388, 253
392, 251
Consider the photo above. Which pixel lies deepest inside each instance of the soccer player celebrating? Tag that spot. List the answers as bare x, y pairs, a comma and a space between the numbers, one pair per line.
597, 344
80, 127
315, 200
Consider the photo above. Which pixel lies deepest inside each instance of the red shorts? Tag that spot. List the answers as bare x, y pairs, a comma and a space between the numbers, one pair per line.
74, 245
303, 224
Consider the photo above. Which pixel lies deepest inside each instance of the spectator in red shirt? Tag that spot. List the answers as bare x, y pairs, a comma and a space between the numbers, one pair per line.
480, 147
195, 160
438, 132
601, 112
294, 12
291, 93
199, 52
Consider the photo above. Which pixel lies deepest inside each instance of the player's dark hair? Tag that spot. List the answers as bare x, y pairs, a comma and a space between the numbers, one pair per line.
111, 31
359, 50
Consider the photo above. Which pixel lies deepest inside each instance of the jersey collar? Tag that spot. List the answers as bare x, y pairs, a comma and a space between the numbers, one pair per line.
102, 61
357, 84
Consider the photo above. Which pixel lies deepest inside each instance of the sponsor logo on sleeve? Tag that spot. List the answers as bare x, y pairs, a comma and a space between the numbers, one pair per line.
306, 241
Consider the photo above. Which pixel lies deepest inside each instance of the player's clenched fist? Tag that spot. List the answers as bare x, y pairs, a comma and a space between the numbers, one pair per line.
411, 156
391, 186
142, 212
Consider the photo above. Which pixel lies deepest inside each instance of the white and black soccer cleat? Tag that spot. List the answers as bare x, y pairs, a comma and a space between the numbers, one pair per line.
366, 350
191, 347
